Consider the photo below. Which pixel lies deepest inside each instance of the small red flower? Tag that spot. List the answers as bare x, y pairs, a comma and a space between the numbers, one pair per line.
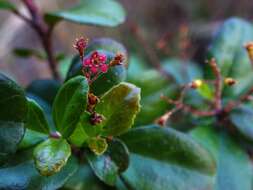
95, 64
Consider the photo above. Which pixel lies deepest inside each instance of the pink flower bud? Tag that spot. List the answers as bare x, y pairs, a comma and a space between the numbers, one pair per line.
104, 68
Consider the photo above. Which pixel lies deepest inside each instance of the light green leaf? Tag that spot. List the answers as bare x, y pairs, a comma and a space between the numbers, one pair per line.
98, 145
119, 106
95, 12
69, 104
51, 155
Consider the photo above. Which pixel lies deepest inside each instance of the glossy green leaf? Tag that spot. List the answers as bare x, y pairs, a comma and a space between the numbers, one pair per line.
51, 155
45, 89
242, 119
98, 145
6, 5
95, 12
105, 81
84, 178
119, 106
12, 101
162, 158
111, 163
234, 168
69, 104
232, 58
36, 119
25, 176
31, 138
11, 133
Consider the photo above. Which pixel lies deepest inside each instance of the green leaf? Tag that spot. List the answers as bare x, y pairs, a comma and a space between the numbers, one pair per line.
51, 155
64, 66
232, 58
6, 5
105, 81
25, 176
114, 161
11, 133
45, 89
119, 106
152, 86
31, 138
79, 136
242, 119
84, 178
96, 12
12, 101
181, 71
36, 119
162, 158
69, 104
26, 53
98, 145
234, 169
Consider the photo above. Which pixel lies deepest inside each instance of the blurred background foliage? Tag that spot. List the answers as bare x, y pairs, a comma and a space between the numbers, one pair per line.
158, 27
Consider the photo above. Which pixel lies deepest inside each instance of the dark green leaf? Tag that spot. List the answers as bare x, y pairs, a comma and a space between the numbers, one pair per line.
69, 104
13, 105
162, 158
95, 12
45, 89
24, 176
36, 119
31, 138
234, 169
242, 118
119, 106
84, 178
6, 5
11, 133
111, 163
51, 155
227, 48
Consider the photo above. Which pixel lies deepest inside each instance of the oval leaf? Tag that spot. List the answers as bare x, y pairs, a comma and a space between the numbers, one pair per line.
95, 12
119, 106
69, 104
36, 119
162, 158
13, 105
51, 155
111, 163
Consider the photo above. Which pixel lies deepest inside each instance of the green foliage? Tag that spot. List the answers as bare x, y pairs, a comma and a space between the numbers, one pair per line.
35, 119
51, 155
119, 106
232, 58
109, 165
26, 53
69, 104
234, 167
162, 158
96, 12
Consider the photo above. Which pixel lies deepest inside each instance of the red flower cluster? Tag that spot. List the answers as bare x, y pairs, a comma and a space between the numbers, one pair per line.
81, 45
95, 64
